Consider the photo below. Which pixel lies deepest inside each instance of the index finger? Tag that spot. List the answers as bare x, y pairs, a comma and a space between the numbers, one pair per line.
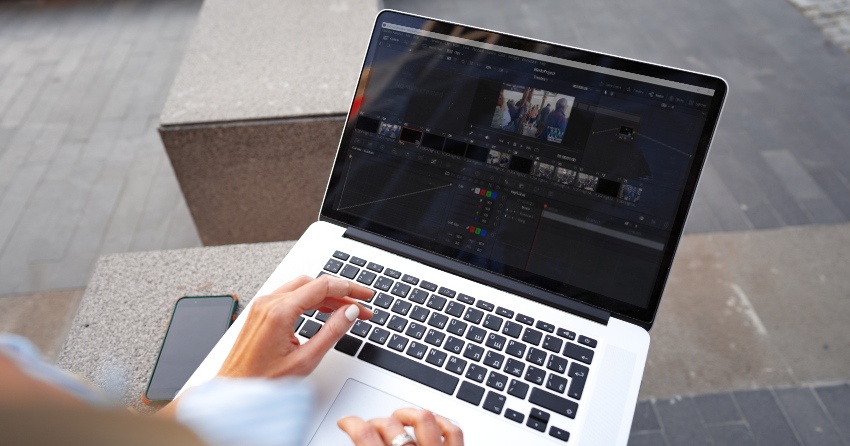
312, 294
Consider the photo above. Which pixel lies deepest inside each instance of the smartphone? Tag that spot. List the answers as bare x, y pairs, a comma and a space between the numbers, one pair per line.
197, 323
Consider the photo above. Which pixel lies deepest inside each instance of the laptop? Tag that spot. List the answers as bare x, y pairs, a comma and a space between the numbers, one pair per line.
516, 206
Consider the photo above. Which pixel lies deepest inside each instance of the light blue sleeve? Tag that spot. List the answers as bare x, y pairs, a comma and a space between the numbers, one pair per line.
248, 411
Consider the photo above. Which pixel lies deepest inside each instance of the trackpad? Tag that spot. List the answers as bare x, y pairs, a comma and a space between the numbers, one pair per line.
358, 399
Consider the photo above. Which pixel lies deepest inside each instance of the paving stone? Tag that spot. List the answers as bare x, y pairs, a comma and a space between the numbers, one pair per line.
681, 421
647, 439
766, 420
810, 421
645, 419
717, 408
731, 435
836, 400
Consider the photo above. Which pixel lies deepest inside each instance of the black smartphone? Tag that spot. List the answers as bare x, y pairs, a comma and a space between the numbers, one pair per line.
197, 323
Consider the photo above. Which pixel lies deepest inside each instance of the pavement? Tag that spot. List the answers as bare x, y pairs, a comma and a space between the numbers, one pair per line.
749, 347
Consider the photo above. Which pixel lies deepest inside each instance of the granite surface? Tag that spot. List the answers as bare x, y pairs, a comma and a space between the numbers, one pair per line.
256, 59
116, 334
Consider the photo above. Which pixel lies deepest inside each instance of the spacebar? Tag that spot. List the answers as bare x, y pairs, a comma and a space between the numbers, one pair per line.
408, 368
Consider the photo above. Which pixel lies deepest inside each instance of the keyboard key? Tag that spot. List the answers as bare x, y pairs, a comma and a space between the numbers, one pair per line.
536, 356
578, 371
361, 328
579, 374
518, 389
401, 307
494, 402
341, 255
397, 342
409, 279
379, 316
436, 357
514, 415
438, 320
486, 306
379, 335
456, 327
497, 381
400, 289
384, 283
428, 286
512, 329
323, 316
494, 341
454, 345
493, 322
476, 334
348, 345
559, 433
374, 267
419, 296
419, 314
417, 350
527, 320
383, 300
515, 367
545, 326
557, 364
470, 393
532, 336
473, 352
473, 315
349, 271
437, 302
476, 373
397, 323
578, 353
501, 311
584, 340
309, 313
465, 298
553, 402
455, 365
455, 308
539, 414
515, 349
415, 330
536, 424
564, 333
310, 328
298, 323
333, 265
535, 375
556, 383
409, 368
494, 359
552, 343
366, 277
358, 261
447, 292
435, 337
392, 273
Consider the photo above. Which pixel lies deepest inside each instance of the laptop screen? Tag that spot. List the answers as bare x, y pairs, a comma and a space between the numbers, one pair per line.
562, 168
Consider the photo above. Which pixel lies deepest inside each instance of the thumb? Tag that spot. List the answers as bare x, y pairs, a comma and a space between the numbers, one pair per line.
337, 325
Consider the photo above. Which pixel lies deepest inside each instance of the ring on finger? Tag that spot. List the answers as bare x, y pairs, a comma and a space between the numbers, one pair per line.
404, 439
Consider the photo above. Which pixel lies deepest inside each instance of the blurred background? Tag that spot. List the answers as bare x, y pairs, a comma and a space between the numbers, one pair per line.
84, 173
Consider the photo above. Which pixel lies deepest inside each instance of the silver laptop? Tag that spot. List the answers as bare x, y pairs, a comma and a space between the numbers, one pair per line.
516, 206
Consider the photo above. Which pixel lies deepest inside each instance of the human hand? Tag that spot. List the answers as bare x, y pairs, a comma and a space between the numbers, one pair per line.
267, 346
430, 429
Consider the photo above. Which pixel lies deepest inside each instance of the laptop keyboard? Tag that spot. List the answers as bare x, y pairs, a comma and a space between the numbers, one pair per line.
462, 346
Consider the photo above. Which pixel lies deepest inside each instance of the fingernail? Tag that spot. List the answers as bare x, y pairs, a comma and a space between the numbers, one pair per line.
352, 312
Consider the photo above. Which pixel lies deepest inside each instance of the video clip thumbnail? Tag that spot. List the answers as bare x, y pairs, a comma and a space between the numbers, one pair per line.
532, 112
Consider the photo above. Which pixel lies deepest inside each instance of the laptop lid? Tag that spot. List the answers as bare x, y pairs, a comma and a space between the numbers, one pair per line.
562, 168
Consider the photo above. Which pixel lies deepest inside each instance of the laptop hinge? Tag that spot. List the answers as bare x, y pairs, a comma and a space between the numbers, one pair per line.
481, 276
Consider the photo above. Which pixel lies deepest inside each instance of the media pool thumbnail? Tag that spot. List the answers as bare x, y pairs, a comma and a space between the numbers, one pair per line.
532, 112
389, 130
587, 182
565, 176
630, 193
493, 157
543, 170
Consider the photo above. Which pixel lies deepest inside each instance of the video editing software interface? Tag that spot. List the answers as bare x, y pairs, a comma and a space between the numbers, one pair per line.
567, 173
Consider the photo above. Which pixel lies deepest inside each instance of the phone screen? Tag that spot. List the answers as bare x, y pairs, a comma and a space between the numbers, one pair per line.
196, 326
